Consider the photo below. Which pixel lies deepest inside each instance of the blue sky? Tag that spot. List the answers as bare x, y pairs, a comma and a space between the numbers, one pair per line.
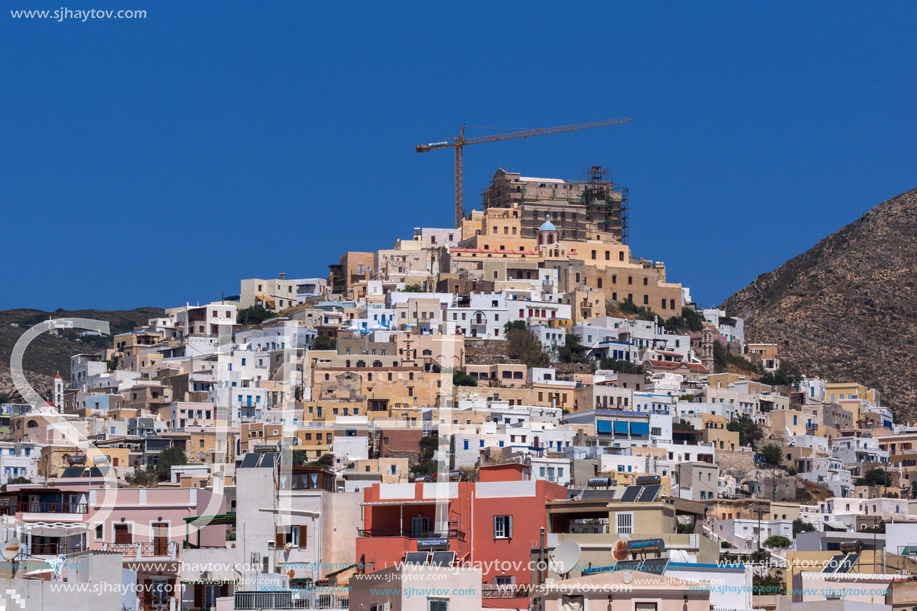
159, 161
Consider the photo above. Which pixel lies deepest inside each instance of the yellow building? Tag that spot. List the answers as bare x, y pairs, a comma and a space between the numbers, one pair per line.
715, 432
839, 391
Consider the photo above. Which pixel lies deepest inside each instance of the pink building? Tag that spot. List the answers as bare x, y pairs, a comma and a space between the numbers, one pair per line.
147, 525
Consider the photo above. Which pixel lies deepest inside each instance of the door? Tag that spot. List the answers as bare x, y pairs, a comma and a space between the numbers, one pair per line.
160, 539
420, 526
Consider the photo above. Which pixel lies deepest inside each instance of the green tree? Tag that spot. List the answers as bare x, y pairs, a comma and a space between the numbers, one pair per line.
768, 585
689, 320
254, 315
771, 455
323, 342
460, 378
326, 461
800, 526
525, 346
749, 432
169, 457
777, 541
874, 477
144, 478
413, 288
786, 375
572, 351
426, 465
516, 324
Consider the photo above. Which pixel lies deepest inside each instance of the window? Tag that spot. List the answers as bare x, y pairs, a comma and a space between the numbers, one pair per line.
100, 532
123, 534
295, 536
624, 522
503, 527
437, 604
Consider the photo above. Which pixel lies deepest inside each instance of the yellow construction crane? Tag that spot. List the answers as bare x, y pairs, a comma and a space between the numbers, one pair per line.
460, 141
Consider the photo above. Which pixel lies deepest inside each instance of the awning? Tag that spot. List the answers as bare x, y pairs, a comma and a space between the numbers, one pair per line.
639, 428
214, 520
620, 427
47, 529
838, 525
412, 502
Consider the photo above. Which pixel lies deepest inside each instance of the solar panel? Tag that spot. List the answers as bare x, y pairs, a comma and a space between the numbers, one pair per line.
443, 558
267, 460
847, 563
649, 494
832, 565
72, 472
598, 495
630, 494
651, 565
655, 566
250, 461
415, 558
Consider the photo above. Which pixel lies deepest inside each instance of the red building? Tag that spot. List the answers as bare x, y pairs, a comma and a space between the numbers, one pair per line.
493, 523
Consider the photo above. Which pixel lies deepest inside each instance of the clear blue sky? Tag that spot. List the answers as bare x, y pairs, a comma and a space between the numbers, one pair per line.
158, 161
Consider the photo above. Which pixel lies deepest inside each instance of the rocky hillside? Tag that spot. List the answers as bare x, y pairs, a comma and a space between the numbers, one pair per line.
49, 353
847, 308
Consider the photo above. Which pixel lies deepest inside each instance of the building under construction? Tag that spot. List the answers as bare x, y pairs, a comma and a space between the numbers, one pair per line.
578, 209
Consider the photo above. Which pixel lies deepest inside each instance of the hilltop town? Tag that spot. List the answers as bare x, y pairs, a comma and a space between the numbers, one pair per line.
515, 413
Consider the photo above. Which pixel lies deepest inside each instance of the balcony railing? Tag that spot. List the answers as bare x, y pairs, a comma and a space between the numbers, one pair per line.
54, 549
489, 590
269, 600
135, 551
452, 533
30, 507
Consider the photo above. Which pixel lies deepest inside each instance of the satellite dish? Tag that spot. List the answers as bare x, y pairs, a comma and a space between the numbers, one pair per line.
619, 551
10, 549
565, 556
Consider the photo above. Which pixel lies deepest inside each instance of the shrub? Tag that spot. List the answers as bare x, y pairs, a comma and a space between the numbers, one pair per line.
323, 342
254, 315
777, 541
460, 378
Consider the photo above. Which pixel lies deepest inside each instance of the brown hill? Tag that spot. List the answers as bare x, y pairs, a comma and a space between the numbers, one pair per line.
846, 309
48, 354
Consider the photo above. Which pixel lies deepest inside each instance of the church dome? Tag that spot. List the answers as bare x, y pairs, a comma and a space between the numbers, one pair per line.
548, 225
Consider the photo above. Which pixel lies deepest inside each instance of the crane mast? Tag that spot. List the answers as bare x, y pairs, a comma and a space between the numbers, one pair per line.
459, 141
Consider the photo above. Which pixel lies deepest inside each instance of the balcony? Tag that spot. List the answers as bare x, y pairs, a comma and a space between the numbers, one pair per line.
489, 590
55, 549
452, 533
54, 507
138, 551
292, 599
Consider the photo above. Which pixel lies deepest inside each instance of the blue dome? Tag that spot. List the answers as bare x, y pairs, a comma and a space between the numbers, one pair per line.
548, 225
